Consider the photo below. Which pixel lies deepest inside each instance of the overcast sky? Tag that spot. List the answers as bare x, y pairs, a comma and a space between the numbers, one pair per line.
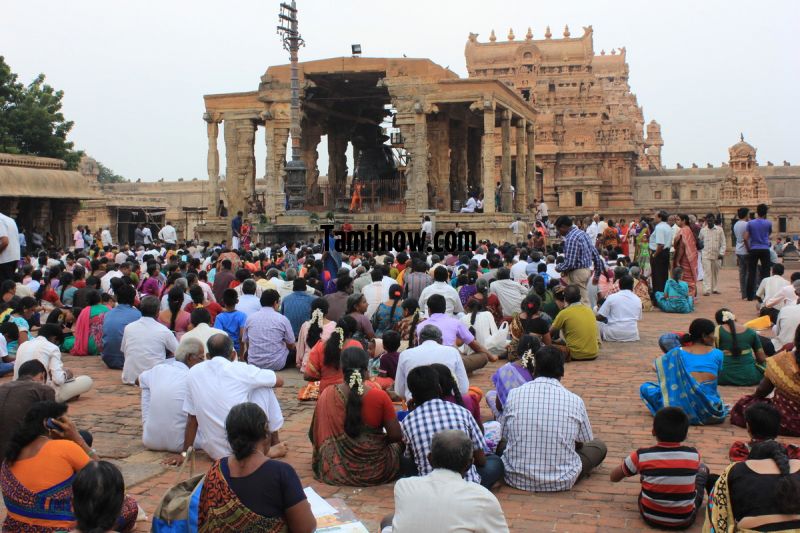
134, 73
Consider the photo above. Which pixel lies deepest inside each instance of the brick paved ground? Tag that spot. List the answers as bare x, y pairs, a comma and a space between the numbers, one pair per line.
609, 387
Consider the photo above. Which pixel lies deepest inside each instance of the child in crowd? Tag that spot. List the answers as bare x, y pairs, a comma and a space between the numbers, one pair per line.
763, 423
669, 472
390, 356
232, 321
9, 332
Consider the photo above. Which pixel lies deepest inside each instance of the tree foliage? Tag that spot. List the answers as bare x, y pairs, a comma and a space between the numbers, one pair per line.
31, 121
107, 175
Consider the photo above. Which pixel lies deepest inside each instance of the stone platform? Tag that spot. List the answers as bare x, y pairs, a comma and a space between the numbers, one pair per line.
609, 386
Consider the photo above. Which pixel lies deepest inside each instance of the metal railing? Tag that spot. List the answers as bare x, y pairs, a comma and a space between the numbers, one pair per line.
372, 196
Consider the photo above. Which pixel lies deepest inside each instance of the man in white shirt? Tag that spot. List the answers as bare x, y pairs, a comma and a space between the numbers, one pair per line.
44, 348
105, 237
9, 247
77, 238
168, 234
163, 393
427, 227
542, 211
519, 229
148, 235
619, 315
428, 352
105, 281
470, 205
215, 386
549, 441
712, 254
771, 286
509, 292
373, 292
201, 329
784, 328
440, 286
249, 302
551, 268
145, 342
593, 230
786, 295
519, 270
443, 501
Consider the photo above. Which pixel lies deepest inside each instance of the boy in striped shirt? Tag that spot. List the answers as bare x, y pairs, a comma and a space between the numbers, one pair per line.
672, 476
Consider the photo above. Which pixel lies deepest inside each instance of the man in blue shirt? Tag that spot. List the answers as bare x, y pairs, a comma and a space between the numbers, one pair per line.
114, 325
581, 258
659, 257
297, 306
236, 229
756, 240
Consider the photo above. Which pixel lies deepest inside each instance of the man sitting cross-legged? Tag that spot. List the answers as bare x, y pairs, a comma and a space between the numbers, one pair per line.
163, 393
619, 315
431, 415
428, 352
454, 330
577, 328
547, 443
419, 501
215, 386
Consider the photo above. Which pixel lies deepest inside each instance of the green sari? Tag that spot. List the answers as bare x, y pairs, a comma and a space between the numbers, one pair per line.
743, 370
87, 335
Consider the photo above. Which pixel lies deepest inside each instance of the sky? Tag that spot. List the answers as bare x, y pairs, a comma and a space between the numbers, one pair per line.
134, 72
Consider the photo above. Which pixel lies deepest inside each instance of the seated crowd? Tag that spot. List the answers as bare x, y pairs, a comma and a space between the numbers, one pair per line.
387, 344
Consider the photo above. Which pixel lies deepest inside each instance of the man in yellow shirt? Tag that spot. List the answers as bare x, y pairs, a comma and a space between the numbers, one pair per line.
577, 326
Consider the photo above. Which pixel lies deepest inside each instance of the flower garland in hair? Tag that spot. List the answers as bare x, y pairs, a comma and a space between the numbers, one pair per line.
317, 317
528, 358
340, 331
356, 381
728, 316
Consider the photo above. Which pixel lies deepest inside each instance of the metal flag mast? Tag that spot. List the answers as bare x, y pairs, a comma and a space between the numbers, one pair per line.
296, 168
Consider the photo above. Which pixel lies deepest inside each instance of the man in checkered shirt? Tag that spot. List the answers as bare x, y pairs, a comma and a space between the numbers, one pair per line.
432, 415
548, 440
582, 261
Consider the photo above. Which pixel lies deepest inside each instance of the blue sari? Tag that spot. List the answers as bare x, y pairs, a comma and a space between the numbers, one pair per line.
677, 388
675, 298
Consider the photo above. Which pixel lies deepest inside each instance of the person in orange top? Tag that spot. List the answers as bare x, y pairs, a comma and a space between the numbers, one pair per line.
41, 461
323, 361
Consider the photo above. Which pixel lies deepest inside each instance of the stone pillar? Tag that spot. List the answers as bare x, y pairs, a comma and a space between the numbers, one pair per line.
212, 163
337, 165
521, 201
530, 172
240, 163
505, 165
417, 188
487, 151
312, 134
275, 137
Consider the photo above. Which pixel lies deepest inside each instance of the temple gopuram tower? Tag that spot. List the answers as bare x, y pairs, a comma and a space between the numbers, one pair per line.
743, 185
589, 131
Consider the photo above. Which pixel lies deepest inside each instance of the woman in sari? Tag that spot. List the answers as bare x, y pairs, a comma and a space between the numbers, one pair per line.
744, 358
610, 236
641, 288
40, 465
518, 371
468, 290
389, 312
687, 377
529, 321
642, 241
539, 288
250, 491
782, 377
675, 298
244, 234
87, 334
22, 316
318, 328
355, 433
323, 361
66, 289
480, 323
761, 493
490, 301
686, 253
407, 326
624, 229
174, 317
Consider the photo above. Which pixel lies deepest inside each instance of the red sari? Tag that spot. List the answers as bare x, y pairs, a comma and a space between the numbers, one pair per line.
623, 233
686, 256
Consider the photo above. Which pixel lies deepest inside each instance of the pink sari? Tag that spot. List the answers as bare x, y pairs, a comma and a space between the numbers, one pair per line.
88, 330
688, 260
